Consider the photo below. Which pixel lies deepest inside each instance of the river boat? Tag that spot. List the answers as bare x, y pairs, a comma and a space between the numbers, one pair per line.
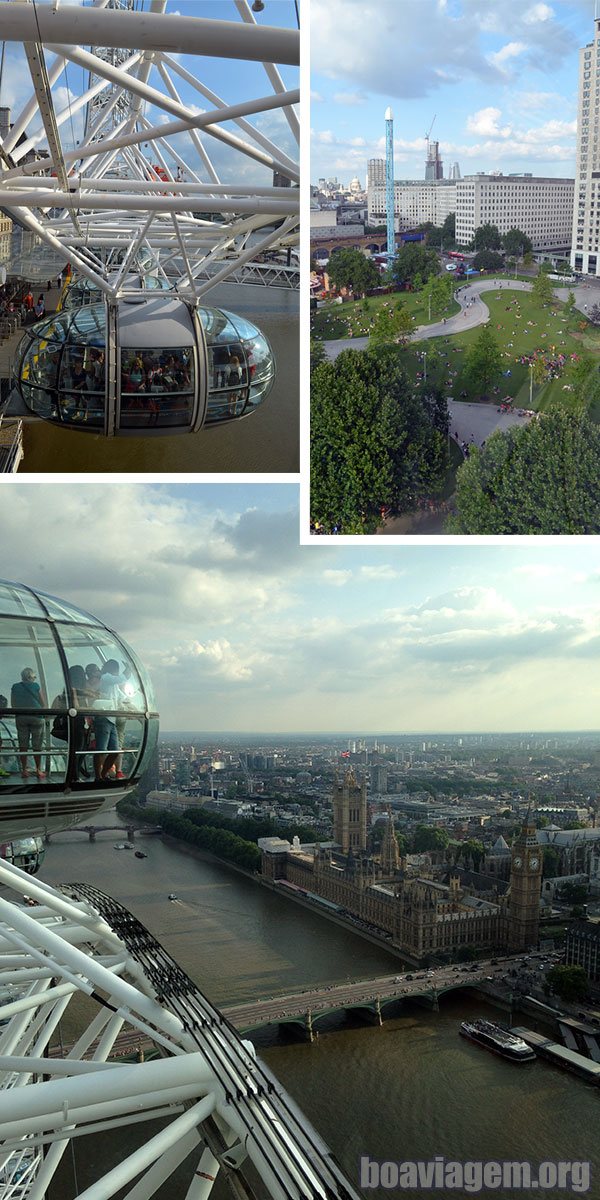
119, 846
140, 854
498, 1040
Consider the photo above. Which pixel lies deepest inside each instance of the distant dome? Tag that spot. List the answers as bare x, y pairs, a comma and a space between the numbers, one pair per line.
66, 714
355, 184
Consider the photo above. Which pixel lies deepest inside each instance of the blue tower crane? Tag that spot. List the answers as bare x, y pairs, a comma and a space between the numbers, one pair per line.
389, 182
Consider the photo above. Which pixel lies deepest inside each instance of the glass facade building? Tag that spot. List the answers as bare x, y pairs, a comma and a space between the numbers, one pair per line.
147, 366
78, 719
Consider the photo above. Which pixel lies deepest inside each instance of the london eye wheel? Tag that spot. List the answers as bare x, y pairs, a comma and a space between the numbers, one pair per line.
124, 157
125, 162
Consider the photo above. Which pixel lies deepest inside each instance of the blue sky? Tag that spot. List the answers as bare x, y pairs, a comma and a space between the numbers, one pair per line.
244, 629
499, 76
233, 80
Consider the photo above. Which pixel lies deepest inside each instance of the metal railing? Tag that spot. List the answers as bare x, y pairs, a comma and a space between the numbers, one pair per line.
11, 444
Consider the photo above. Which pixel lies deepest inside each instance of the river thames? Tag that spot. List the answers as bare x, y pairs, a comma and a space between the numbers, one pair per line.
411, 1089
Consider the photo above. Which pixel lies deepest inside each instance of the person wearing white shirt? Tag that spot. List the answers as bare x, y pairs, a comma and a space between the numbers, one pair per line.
109, 697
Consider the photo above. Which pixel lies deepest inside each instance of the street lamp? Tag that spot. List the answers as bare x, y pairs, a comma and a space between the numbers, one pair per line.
530, 384
424, 366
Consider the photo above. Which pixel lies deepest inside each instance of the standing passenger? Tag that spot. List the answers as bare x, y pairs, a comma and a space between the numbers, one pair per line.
28, 694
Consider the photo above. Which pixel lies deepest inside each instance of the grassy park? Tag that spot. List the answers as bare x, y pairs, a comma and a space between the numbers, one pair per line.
520, 325
352, 319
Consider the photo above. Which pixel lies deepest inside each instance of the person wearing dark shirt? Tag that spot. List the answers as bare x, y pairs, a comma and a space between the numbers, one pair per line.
30, 727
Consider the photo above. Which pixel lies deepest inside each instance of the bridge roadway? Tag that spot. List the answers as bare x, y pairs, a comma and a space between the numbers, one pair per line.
92, 830
306, 1007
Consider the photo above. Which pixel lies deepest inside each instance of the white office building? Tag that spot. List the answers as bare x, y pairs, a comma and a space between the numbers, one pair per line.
541, 207
415, 200
586, 215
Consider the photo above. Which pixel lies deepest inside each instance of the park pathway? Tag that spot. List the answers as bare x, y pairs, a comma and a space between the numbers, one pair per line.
473, 312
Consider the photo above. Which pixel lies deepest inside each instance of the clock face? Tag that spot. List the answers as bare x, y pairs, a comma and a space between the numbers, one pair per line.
533, 862
518, 860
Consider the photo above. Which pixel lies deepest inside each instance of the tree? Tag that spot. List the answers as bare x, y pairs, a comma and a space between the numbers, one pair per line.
473, 849
570, 304
488, 260
573, 893
483, 361
391, 325
402, 841
528, 260
317, 352
435, 236
486, 237
439, 290
449, 226
551, 859
413, 261
542, 289
570, 983
350, 269
466, 954
536, 478
428, 837
594, 314
517, 243
372, 441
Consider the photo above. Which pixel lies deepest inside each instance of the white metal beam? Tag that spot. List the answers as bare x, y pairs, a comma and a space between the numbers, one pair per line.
148, 31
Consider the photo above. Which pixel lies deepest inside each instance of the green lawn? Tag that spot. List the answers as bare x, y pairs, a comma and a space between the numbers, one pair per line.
520, 326
350, 320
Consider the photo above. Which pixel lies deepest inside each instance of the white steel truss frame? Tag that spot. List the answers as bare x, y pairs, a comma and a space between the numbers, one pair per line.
211, 1093
103, 192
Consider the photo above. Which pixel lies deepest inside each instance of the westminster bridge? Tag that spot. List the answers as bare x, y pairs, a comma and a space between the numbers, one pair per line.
304, 1010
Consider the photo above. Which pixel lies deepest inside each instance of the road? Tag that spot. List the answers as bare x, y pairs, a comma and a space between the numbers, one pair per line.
345, 995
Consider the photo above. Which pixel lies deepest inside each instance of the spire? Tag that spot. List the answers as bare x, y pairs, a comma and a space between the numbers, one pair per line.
390, 854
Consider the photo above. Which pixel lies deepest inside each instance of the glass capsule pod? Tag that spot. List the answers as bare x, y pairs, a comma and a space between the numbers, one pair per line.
145, 366
78, 720
25, 853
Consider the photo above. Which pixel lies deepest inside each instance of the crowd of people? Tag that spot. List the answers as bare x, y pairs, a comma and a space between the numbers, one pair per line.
101, 733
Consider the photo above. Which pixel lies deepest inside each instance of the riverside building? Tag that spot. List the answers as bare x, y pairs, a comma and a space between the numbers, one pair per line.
419, 914
415, 200
540, 207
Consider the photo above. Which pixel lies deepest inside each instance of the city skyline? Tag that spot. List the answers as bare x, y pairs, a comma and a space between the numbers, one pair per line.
500, 79
243, 629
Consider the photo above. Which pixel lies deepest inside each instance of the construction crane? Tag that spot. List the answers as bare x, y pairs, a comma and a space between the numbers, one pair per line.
429, 132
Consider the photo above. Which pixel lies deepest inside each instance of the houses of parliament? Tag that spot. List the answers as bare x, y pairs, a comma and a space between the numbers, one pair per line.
439, 911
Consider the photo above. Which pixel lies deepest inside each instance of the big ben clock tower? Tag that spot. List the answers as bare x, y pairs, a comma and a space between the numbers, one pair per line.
525, 887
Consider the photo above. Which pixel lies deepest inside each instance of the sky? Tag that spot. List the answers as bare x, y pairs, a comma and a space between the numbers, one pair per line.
232, 80
498, 76
243, 629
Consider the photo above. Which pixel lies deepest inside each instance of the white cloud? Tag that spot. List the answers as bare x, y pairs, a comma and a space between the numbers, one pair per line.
538, 12
384, 571
349, 99
510, 50
337, 578
316, 96
485, 123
